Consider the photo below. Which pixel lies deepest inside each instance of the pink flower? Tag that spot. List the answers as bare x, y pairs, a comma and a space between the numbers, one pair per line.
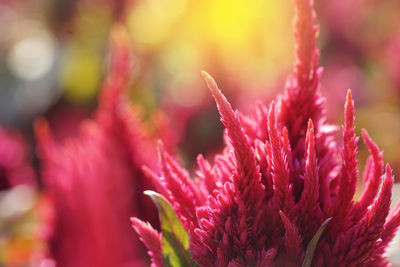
94, 180
279, 178
15, 168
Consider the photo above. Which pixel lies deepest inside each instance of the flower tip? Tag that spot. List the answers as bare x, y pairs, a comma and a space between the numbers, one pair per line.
272, 113
200, 157
206, 75
349, 97
212, 85
134, 221
388, 171
137, 224
349, 110
364, 133
310, 126
372, 147
366, 138
160, 144
310, 134
160, 149
272, 106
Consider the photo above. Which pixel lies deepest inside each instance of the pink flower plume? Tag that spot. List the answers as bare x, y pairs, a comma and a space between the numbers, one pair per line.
263, 200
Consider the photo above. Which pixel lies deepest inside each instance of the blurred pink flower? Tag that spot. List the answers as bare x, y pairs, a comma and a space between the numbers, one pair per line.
15, 168
94, 180
279, 179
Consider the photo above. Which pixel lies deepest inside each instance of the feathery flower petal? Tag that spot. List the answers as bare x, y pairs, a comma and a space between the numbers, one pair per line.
349, 172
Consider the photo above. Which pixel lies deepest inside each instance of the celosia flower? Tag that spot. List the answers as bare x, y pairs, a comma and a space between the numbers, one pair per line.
279, 179
94, 180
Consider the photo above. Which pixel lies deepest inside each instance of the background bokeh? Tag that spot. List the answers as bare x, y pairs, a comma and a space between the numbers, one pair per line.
54, 56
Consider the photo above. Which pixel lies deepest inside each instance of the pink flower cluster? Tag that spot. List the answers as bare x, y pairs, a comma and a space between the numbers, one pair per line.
278, 179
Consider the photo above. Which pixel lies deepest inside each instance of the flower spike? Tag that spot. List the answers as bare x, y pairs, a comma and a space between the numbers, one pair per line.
247, 172
277, 195
349, 171
305, 34
373, 179
280, 172
152, 240
293, 241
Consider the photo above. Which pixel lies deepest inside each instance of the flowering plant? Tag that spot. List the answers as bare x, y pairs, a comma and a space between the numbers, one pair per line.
95, 179
277, 195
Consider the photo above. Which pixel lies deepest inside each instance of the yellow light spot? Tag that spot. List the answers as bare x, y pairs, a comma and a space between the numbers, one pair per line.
80, 74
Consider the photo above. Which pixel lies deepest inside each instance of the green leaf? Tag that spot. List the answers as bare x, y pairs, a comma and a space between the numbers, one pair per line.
313, 244
175, 239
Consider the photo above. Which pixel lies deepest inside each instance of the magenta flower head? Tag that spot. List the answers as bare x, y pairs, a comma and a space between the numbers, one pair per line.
94, 180
278, 195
